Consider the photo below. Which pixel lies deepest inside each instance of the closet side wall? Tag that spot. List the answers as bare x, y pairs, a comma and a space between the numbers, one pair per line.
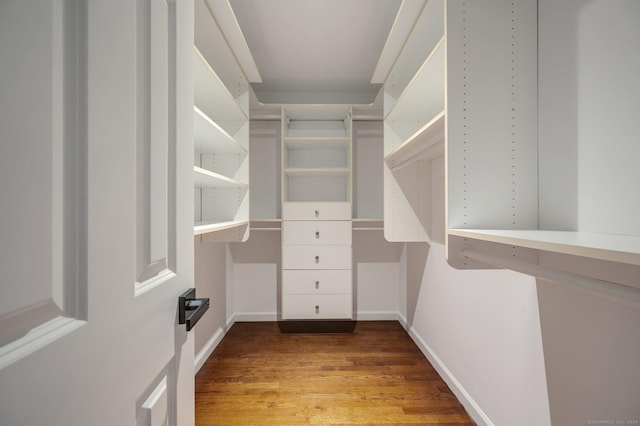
481, 331
211, 282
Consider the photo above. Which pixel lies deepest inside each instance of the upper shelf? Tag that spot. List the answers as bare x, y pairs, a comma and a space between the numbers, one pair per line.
613, 248
423, 99
425, 144
207, 179
424, 35
211, 95
210, 138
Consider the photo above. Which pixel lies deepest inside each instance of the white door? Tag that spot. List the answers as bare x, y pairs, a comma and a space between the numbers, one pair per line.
96, 202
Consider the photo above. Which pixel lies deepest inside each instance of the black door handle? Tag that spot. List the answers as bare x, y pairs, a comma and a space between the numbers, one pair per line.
190, 309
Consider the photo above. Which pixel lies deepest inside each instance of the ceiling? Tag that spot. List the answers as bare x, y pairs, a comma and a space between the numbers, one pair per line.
316, 51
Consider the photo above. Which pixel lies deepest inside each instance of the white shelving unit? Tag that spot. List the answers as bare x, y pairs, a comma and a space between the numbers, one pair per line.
414, 133
316, 153
539, 139
221, 135
317, 282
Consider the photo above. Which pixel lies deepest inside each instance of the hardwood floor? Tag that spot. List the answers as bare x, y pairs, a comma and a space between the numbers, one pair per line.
375, 375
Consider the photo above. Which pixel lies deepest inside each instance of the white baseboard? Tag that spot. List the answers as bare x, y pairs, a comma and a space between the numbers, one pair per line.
255, 316
403, 321
230, 321
473, 409
209, 347
377, 316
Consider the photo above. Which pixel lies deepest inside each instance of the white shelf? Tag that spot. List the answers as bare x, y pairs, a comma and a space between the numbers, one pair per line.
427, 31
317, 142
212, 97
221, 131
337, 171
207, 179
273, 224
608, 247
205, 228
368, 224
425, 144
423, 99
210, 138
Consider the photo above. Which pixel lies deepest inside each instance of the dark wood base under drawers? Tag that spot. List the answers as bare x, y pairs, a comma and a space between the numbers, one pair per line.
317, 326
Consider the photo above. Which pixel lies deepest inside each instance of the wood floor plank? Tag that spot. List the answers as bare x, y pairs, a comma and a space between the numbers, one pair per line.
375, 375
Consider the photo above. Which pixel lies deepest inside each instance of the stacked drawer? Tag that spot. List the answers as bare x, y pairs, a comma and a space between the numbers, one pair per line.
316, 260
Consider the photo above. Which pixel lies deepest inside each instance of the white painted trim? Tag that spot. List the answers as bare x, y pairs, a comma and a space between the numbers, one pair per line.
230, 321
403, 321
208, 349
473, 409
38, 338
377, 316
255, 316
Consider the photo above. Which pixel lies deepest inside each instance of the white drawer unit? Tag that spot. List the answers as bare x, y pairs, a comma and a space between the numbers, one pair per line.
316, 257
316, 282
317, 232
324, 306
316, 211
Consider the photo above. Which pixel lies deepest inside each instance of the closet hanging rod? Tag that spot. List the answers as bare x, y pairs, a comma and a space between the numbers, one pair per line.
612, 291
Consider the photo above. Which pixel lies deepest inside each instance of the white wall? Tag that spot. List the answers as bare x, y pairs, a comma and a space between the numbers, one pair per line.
256, 266
211, 282
591, 347
377, 275
481, 330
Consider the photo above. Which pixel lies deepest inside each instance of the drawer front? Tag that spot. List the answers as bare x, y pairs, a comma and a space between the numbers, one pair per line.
316, 257
324, 306
316, 282
316, 211
318, 232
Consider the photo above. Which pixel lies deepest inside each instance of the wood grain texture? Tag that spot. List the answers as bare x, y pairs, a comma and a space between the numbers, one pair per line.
375, 375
